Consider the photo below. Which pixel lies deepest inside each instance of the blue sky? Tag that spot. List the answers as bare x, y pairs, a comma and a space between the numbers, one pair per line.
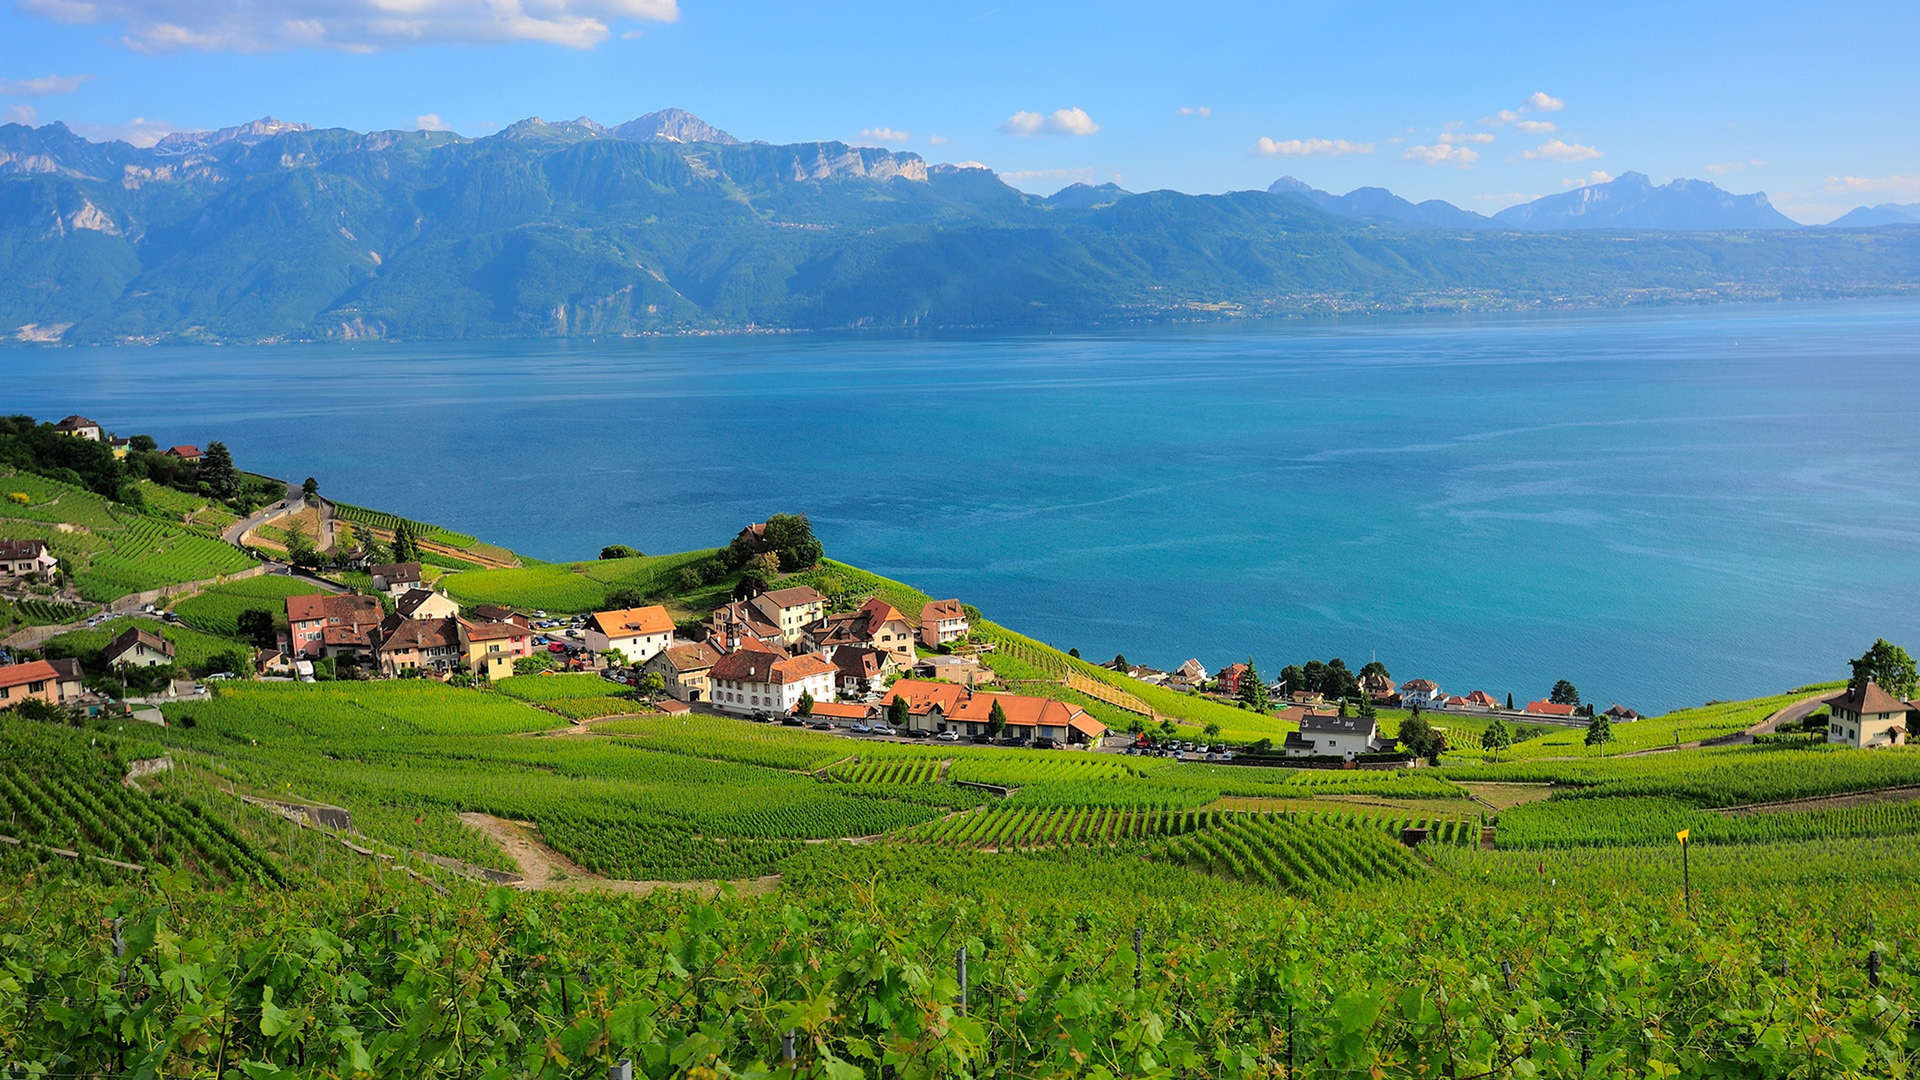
1482, 105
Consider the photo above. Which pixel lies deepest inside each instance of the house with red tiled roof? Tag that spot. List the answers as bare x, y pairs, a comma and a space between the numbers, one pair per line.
876, 625
749, 682
841, 712
330, 624
635, 633
184, 452
939, 706
1868, 716
1421, 694
1551, 709
426, 646
36, 679
491, 646
790, 611
1228, 678
735, 622
685, 669
1188, 677
943, 622
1482, 700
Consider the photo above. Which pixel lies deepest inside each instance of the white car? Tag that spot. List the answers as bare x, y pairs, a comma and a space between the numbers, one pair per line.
948, 736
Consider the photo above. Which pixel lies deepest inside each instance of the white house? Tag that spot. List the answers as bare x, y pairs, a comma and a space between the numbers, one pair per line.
635, 633
1188, 677
79, 427
1422, 694
751, 681
1347, 737
426, 604
395, 579
792, 610
27, 559
1867, 718
138, 648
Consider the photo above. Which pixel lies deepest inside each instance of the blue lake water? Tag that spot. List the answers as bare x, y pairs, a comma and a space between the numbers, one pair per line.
1664, 507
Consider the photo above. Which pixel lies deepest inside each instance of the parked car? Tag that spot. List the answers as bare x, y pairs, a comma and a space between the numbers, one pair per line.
948, 736
792, 721
982, 738
1044, 743
881, 727
861, 727
556, 647
539, 614
821, 725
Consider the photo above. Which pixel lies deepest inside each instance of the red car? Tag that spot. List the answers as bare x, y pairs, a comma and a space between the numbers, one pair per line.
556, 647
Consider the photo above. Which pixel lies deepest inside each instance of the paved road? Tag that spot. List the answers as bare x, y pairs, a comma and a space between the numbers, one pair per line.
1790, 714
292, 504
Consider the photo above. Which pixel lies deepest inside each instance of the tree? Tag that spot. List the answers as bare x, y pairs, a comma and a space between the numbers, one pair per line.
996, 721
766, 564
1375, 667
1211, 731
1120, 662
231, 661
1253, 690
1337, 681
1417, 735
1367, 711
222, 480
652, 685
624, 597
255, 627
533, 665
1887, 665
1563, 693
803, 707
618, 551
1496, 738
1313, 678
300, 550
789, 537
1435, 747
898, 713
1136, 726
1294, 678
1167, 729
1509, 701
613, 658
406, 546
1599, 730
143, 444
309, 488
1075, 653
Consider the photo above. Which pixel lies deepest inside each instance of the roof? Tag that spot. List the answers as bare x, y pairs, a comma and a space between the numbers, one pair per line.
489, 630
1192, 669
794, 596
74, 423
411, 600
1621, 712
343, 606
632, 622
758, 667
669, 705
1024, 711
1235, 670
754, 644
922, 695
1331, 724
936, 610
1871, 700
356, 634
133, 636
68, 669
1419, 686
494, 613
842, 710
396, 571
859, 661
183, 450
878, 611
690, 656
33, 672
742, 615
21, 549
1481, 697
398, 633
1548, 708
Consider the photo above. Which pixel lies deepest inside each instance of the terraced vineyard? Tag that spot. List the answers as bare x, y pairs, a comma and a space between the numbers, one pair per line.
217, 609
62, 790
575, 696
113, 550
385, 522
1653, 820
1293, 856
37, 612
902, 770
1013, 826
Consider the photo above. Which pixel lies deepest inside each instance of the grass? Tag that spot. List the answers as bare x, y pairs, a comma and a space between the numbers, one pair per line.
580, 587
1680, 726
217, 609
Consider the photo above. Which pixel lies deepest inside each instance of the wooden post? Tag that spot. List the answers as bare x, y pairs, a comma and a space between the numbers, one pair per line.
963, 980
621, 1071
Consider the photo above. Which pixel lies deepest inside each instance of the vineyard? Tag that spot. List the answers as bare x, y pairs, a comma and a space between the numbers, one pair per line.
60, 793
114, 550
1015, 827
193, 650
37, 612
387, 523
1293, 856
577, 697
581, 586
217, 608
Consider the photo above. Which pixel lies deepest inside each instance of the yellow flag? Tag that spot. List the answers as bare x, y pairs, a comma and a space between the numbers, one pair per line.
1682, 835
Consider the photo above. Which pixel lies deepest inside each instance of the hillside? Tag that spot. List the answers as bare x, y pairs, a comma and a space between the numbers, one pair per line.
273, 231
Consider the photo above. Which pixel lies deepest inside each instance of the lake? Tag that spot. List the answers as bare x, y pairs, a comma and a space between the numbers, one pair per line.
1663, 507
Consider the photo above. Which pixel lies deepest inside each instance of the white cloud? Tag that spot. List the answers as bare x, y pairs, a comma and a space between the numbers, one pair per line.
886, 135
1504, 116
1545, 102
1538, 101
1725, 167
1309, 147
20, 114
938, 140
42, 86
1442, 153
1562, 151
1597, 176
1537, 127
1457, 137
430, 122
1018, 176
139, 131
351, 25
1073, 121
1903, 185
1196, 110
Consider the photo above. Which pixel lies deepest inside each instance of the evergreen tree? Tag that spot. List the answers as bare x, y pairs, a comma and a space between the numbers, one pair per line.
804, 707
898, 713
1253, 689
1599, 730
1563, 693
217, 472
996, 721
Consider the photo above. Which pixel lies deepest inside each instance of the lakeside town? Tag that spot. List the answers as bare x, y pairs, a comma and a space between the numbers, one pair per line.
366, 599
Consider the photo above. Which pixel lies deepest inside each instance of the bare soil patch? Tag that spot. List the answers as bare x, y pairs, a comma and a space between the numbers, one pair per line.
543, 868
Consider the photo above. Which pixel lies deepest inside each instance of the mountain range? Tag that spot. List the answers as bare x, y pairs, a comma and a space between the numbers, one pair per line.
1631, 201
273, 231
1863, 217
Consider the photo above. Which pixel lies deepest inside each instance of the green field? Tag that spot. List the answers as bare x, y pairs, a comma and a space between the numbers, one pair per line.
215, 609
583, 586
193, 649
112, 550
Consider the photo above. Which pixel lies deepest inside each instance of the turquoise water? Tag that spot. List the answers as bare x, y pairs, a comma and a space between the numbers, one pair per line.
1662, 507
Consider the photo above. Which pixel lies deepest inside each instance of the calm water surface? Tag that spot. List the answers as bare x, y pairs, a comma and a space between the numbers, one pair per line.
1663, 507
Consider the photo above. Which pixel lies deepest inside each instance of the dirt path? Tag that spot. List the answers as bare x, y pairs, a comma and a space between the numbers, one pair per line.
1907, 793
541, 867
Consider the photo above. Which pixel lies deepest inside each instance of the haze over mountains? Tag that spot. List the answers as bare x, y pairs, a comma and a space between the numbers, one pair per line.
273, 230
